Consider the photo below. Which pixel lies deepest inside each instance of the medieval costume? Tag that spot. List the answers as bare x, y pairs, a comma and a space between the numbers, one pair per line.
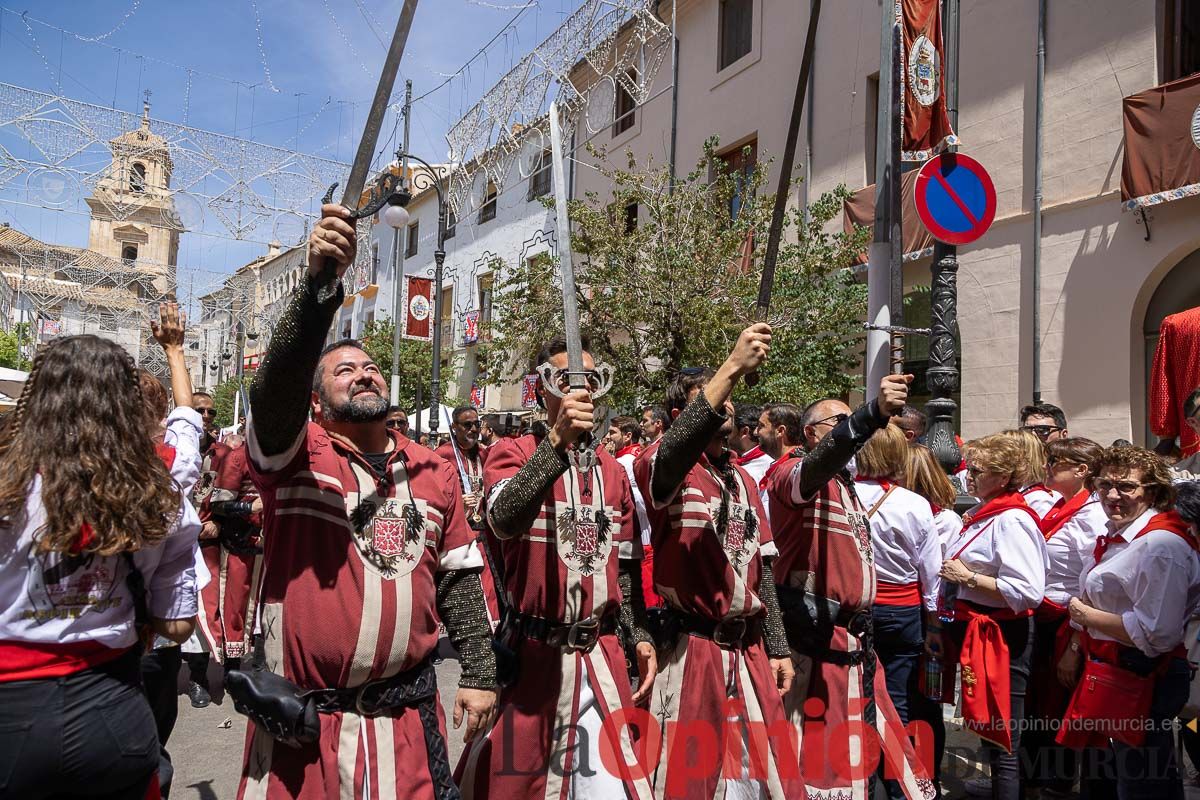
231, 506
567, 545
827, 585
721, 624
1175, 375
363, 554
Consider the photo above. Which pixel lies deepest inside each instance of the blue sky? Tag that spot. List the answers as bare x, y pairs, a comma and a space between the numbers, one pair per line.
325, 71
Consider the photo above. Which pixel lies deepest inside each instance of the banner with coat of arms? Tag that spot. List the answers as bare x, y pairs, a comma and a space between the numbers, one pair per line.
470, 327
418, 308
476, 395
529, 391
926, 130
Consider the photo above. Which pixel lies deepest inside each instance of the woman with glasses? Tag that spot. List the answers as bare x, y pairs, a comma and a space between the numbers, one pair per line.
1071, 528
1037, 494
1134, 601
993, 577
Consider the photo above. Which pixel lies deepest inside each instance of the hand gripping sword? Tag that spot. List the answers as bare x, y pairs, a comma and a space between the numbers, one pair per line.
352, 196
583, 456
775, 233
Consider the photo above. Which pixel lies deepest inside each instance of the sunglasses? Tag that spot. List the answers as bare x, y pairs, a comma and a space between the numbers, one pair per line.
836, 419
468, 425
691, 371
398, 424
1041, 431
206, 412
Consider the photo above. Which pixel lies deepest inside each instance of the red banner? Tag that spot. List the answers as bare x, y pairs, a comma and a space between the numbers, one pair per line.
529, 391
418, 308
927, 130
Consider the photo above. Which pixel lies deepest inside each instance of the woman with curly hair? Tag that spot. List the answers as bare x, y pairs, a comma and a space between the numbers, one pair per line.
993, 577
1134, 601
96, 550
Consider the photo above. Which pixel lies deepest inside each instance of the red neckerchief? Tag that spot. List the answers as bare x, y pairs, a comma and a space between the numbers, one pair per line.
1037, 487
1063, 512
748, 456
998, 505
1163, 521
936, 509
634, 449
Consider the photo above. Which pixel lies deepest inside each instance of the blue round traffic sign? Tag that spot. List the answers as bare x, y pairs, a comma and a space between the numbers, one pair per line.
955, 198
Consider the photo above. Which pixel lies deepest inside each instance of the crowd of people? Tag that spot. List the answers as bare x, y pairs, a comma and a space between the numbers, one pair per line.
704, 600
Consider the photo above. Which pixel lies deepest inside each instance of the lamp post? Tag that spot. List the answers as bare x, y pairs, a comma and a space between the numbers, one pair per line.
421, 181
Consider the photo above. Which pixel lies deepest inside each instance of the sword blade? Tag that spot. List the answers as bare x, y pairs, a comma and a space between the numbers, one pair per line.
563, 225
383, 93
767, 283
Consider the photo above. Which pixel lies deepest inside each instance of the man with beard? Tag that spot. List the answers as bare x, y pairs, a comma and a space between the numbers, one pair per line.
208, 640
744, 443
463, 452
397, 419
366, 549
826, 576
568, 545
655, 421
726, 660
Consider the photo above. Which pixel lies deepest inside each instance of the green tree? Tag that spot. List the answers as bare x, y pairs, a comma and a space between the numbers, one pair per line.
223, 398
670, 292
416, 365
10, 347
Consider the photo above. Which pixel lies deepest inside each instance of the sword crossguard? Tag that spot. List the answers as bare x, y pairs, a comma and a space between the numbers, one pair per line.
379, 192
904, 331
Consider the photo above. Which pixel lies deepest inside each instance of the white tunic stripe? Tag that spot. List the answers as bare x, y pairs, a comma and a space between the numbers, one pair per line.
347, 754
564, 719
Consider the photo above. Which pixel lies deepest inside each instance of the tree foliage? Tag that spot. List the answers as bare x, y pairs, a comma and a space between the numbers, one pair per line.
415, 365
10, 347
669, 291
223, 398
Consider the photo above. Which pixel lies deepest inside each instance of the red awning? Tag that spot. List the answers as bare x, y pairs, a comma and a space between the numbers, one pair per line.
860, 210
1162, 144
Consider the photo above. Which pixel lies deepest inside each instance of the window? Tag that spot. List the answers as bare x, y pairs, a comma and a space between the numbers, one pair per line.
129, 253
370, 317
625, 107
1181, 40
740, 162
631, 217
414, 232
735, 34
451, 224
486, 295
487, 211
539, 179
137, 177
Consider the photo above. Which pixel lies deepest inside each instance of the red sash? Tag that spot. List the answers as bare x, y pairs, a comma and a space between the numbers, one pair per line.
1062, 513
1050, 697
897, 594
748, 456
634, 449
984, 657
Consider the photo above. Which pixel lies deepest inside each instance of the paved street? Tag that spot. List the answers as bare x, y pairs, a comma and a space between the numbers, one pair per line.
208, 756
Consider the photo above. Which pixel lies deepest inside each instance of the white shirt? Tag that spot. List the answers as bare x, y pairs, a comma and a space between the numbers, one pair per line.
184, 429
1040, 499
904, 538
639, 503
757, 466
55, 599
1009, 548
948, 525
1071, 550
1153, 584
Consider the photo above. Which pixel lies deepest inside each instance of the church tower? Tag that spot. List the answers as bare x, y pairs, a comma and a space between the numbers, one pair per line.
133, 213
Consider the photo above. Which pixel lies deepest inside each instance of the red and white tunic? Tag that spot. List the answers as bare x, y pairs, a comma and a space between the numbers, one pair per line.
825, 548
238, 586
211, 555
713, 574
564, 572
348, 596
907, 552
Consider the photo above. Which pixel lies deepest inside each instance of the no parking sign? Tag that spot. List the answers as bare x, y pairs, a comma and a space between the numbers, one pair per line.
955, 198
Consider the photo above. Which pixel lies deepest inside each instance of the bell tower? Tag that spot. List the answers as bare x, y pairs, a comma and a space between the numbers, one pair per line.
133, 213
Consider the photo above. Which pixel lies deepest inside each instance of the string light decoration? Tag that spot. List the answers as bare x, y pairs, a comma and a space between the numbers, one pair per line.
262, 50
603, 45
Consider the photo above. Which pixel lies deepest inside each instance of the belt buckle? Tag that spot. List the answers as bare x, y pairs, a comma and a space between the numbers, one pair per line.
730, 632
362, 706
859, 623
583, 635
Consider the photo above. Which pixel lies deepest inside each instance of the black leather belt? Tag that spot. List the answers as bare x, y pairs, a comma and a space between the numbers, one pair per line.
408, 688
580, 636
731, 633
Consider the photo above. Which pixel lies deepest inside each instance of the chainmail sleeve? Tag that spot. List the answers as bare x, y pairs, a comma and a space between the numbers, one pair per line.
681, 447
774, 636
461, 607
515, 503
633, 602
280, 392
833, 453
